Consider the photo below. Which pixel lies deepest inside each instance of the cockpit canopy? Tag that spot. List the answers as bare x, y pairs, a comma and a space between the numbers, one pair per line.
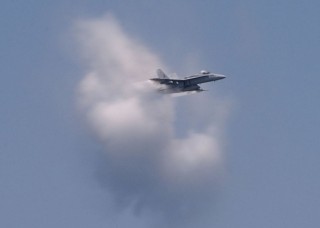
204, 72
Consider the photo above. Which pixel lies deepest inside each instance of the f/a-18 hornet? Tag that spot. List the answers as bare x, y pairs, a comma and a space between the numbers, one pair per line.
189, 83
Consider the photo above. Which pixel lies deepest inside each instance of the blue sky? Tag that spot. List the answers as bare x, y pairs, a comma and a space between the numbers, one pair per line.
269, 51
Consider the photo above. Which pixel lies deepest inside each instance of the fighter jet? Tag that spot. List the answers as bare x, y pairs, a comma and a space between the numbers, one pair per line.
188, 84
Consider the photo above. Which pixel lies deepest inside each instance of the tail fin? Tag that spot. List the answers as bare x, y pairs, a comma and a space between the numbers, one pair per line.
161, 74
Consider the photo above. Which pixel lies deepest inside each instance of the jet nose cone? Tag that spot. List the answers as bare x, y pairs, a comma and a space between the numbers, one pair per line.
219, 77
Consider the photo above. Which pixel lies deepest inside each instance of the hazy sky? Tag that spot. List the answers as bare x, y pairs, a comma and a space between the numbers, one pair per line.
50, 164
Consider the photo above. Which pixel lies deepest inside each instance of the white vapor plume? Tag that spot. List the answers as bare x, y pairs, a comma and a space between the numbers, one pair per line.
148, 167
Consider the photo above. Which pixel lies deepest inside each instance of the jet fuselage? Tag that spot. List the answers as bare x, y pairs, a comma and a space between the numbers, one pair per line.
189, 83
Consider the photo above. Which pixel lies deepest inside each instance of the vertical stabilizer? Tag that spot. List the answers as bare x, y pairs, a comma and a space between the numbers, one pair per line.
161, 74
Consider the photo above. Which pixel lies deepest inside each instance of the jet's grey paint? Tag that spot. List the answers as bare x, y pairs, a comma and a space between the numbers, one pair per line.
189, 83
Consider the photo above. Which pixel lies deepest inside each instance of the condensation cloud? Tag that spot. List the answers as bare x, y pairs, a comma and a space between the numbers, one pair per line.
148, 167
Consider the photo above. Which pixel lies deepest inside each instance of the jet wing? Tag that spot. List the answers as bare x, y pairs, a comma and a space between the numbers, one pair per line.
168, 81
